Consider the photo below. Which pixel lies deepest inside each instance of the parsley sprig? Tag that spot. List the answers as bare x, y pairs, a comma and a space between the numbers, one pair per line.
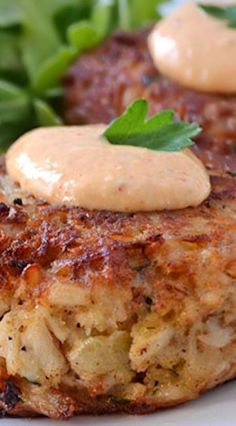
227, 13
160, 132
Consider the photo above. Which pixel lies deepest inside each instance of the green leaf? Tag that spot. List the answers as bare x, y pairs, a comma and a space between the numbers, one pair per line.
40, 39
54, 93
10, 13
227, 13
65, 17
71, 14
14, 103
124, 14
82, 36
46, 116
36, 49
15, 113
144, 12
51, 71
160, 132
102, 16
10, 60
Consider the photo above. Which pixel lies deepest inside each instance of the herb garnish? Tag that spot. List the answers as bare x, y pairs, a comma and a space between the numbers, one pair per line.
160, 133
227, 13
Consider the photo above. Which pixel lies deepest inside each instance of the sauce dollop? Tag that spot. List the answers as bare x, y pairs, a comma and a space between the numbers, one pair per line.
76, 166
196, 50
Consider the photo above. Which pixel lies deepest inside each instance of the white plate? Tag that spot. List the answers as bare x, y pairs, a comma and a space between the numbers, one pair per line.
216, 408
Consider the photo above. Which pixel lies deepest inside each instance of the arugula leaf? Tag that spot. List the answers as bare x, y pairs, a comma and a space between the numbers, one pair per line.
11, 14
14, 103
144, 12
82, 36
45, 115
124, 14
72, 14
39, 39
159, 133
10, 60
227, 13
49, 74
102, 16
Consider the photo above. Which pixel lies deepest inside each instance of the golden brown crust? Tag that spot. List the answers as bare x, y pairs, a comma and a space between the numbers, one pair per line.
57, 405
103, 241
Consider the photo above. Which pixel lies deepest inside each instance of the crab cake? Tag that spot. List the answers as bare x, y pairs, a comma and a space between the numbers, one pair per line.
102, 82
104, 312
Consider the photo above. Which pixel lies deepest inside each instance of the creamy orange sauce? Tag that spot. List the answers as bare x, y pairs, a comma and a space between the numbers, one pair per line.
76, 166
196, 50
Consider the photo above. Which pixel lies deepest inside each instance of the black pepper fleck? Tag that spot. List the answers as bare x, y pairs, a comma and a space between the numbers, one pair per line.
4, 209
148, 300
10, 395
18, 264
18, 201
